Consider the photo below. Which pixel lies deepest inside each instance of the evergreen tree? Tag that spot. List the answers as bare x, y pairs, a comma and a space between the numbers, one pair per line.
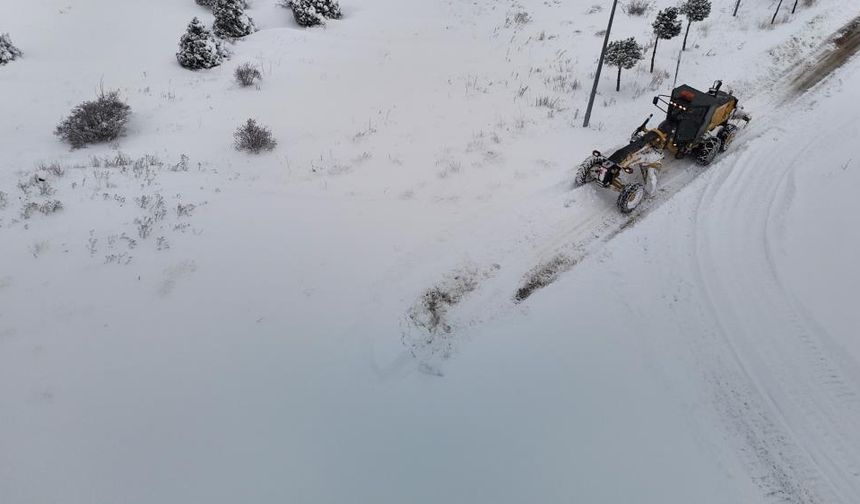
666, 26
198, 48
314, 12
212, 3
623, 54
231, 20
695, 10
8, 51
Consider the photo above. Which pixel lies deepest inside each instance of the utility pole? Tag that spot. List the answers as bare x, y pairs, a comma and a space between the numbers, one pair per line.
736, 8
599, 66
776, 12
677, 68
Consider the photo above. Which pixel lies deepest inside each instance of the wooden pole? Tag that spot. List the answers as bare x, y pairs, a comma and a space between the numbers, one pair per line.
776, 12
677, 68
654, 54
599, 66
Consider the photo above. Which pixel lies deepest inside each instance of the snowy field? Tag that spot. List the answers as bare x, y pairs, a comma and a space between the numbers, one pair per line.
353, 317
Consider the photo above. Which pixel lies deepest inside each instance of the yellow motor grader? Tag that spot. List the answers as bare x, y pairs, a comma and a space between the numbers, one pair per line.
697, 124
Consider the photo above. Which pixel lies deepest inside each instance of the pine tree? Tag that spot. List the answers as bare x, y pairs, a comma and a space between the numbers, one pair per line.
314, 12
231, 20
666, 26
695, 10
198, 48
8, 51
623, 54
212, 3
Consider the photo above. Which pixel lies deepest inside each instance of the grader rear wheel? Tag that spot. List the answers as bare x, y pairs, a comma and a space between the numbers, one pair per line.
706, 152
727, 136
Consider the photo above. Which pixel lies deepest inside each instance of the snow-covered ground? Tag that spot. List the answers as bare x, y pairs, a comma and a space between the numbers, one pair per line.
197, 324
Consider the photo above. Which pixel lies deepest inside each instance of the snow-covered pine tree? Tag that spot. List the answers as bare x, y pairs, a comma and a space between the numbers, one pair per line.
314, 12
623, 54
695, 10
8, 51
231, 20
198, 48
666, 26
211, 3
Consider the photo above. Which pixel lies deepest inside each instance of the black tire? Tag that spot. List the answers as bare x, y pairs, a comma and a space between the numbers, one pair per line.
630, 197
727, 136
706, 152
584, 175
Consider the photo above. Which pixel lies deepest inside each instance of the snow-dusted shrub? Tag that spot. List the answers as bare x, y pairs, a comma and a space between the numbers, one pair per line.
46, 208
314, 12
666, 26
637, 7
231, 20
623, 54
254, 138
695, 10
198, 48
8, 51
247, 74
101, 120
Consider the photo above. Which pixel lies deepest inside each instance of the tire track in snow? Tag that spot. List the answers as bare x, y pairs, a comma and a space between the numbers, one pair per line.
739, 397
796, 413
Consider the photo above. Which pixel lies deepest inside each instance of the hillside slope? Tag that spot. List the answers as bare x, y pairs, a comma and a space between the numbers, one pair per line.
197, 324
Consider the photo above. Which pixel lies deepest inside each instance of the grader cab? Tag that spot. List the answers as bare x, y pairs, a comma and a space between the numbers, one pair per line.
699, 124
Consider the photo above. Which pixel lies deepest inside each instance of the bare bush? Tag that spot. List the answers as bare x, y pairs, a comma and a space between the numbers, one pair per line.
46, 208
522, 18
185, 210
254, 138
54, 168
247, 74
101, 120
637, 7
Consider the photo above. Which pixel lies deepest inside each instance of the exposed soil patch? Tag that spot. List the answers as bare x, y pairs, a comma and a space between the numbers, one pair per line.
430, 315
432, 332
846, 42
543, 275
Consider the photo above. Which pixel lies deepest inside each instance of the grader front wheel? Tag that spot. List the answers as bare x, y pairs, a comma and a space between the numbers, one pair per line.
630, 197
583, 176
